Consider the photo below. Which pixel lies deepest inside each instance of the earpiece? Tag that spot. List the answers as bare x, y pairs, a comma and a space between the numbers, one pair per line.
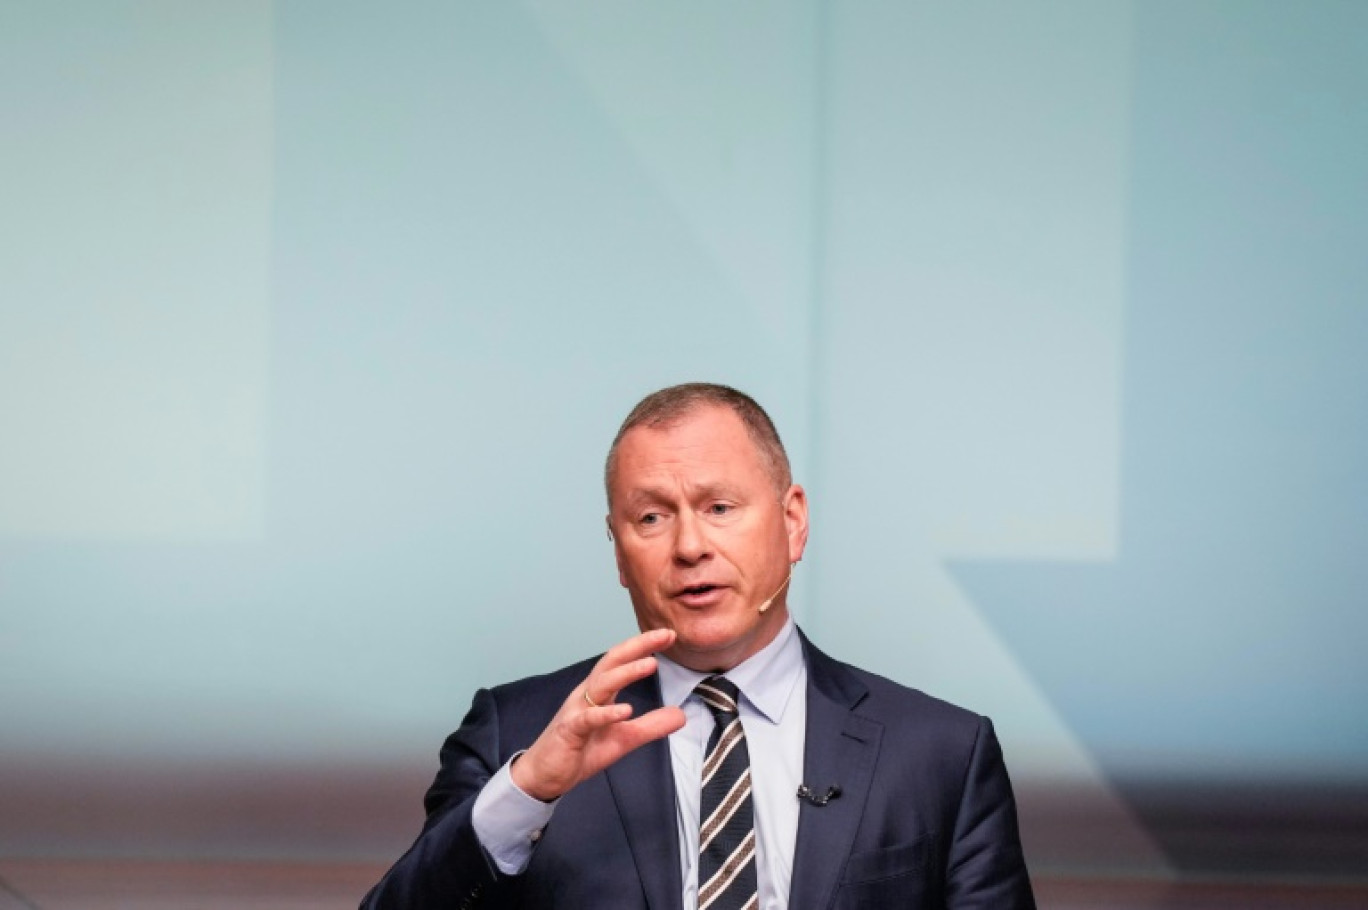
766, 605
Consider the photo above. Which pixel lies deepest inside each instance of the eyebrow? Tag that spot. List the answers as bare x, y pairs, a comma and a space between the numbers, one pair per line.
656, 494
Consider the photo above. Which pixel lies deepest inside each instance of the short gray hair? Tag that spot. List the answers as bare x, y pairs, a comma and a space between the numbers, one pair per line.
669, 406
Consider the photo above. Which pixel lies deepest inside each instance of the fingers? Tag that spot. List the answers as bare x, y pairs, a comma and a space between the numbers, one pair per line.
653, 725
602, 686
616, 722
634, 734
624, 664
590, 731
636, 647
583, 724
560, 757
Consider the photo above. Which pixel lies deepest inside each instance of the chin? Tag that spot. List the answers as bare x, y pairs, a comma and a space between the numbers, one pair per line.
711, 641
700, 644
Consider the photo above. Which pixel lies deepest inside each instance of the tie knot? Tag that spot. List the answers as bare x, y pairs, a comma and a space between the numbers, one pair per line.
719, 694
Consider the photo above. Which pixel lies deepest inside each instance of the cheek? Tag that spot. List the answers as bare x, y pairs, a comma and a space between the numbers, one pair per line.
637, 567
751, 546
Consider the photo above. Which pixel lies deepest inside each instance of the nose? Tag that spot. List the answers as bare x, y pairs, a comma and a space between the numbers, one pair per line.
691, 544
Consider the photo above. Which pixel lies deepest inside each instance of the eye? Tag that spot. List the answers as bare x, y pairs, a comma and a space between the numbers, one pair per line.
649, 519
720, 510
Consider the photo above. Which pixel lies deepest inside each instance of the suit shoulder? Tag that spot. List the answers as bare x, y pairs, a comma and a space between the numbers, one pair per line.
887, 691
899, 707
914, 721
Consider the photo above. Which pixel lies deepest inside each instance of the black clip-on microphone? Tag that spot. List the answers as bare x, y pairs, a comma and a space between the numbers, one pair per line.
806, 792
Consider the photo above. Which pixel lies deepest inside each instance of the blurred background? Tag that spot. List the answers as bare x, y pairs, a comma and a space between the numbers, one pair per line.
316, 320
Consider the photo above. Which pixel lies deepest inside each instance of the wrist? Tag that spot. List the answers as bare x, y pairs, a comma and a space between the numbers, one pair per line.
524, 777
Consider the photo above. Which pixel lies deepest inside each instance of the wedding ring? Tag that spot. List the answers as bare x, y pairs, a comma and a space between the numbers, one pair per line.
592, 703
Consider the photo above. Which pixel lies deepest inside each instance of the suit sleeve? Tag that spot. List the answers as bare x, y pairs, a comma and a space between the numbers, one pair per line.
986, 868
446, 866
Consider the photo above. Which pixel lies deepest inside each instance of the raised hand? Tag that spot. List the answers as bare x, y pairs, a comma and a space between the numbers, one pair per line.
590, 731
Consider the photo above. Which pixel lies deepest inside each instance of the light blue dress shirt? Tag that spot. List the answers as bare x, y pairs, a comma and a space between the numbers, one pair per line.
773, 684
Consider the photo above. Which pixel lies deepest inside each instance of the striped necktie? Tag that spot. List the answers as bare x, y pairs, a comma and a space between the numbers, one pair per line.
726, 835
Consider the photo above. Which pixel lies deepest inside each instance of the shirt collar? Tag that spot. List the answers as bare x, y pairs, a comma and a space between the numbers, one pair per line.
766, 678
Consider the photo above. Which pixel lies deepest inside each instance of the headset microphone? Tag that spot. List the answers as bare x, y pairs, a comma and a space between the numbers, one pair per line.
766, 605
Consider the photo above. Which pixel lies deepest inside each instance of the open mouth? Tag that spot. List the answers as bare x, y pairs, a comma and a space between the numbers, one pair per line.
694, 590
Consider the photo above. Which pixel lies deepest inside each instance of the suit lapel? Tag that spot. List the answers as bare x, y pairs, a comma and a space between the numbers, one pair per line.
642, 783
841, 749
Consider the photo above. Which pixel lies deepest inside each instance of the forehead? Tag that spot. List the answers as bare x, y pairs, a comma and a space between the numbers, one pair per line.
709, 444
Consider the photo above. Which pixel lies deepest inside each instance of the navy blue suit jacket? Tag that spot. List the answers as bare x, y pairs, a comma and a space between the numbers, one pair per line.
925, 818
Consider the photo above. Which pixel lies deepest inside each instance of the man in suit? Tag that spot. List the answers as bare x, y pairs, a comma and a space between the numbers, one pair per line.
717, 760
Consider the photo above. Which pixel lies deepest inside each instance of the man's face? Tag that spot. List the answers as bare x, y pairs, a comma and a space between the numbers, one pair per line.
703, 537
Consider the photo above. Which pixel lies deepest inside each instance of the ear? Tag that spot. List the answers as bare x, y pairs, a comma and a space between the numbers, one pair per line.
617, 550
796, 521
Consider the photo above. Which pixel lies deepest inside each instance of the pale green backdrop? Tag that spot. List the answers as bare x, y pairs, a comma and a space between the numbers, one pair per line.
316, 320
